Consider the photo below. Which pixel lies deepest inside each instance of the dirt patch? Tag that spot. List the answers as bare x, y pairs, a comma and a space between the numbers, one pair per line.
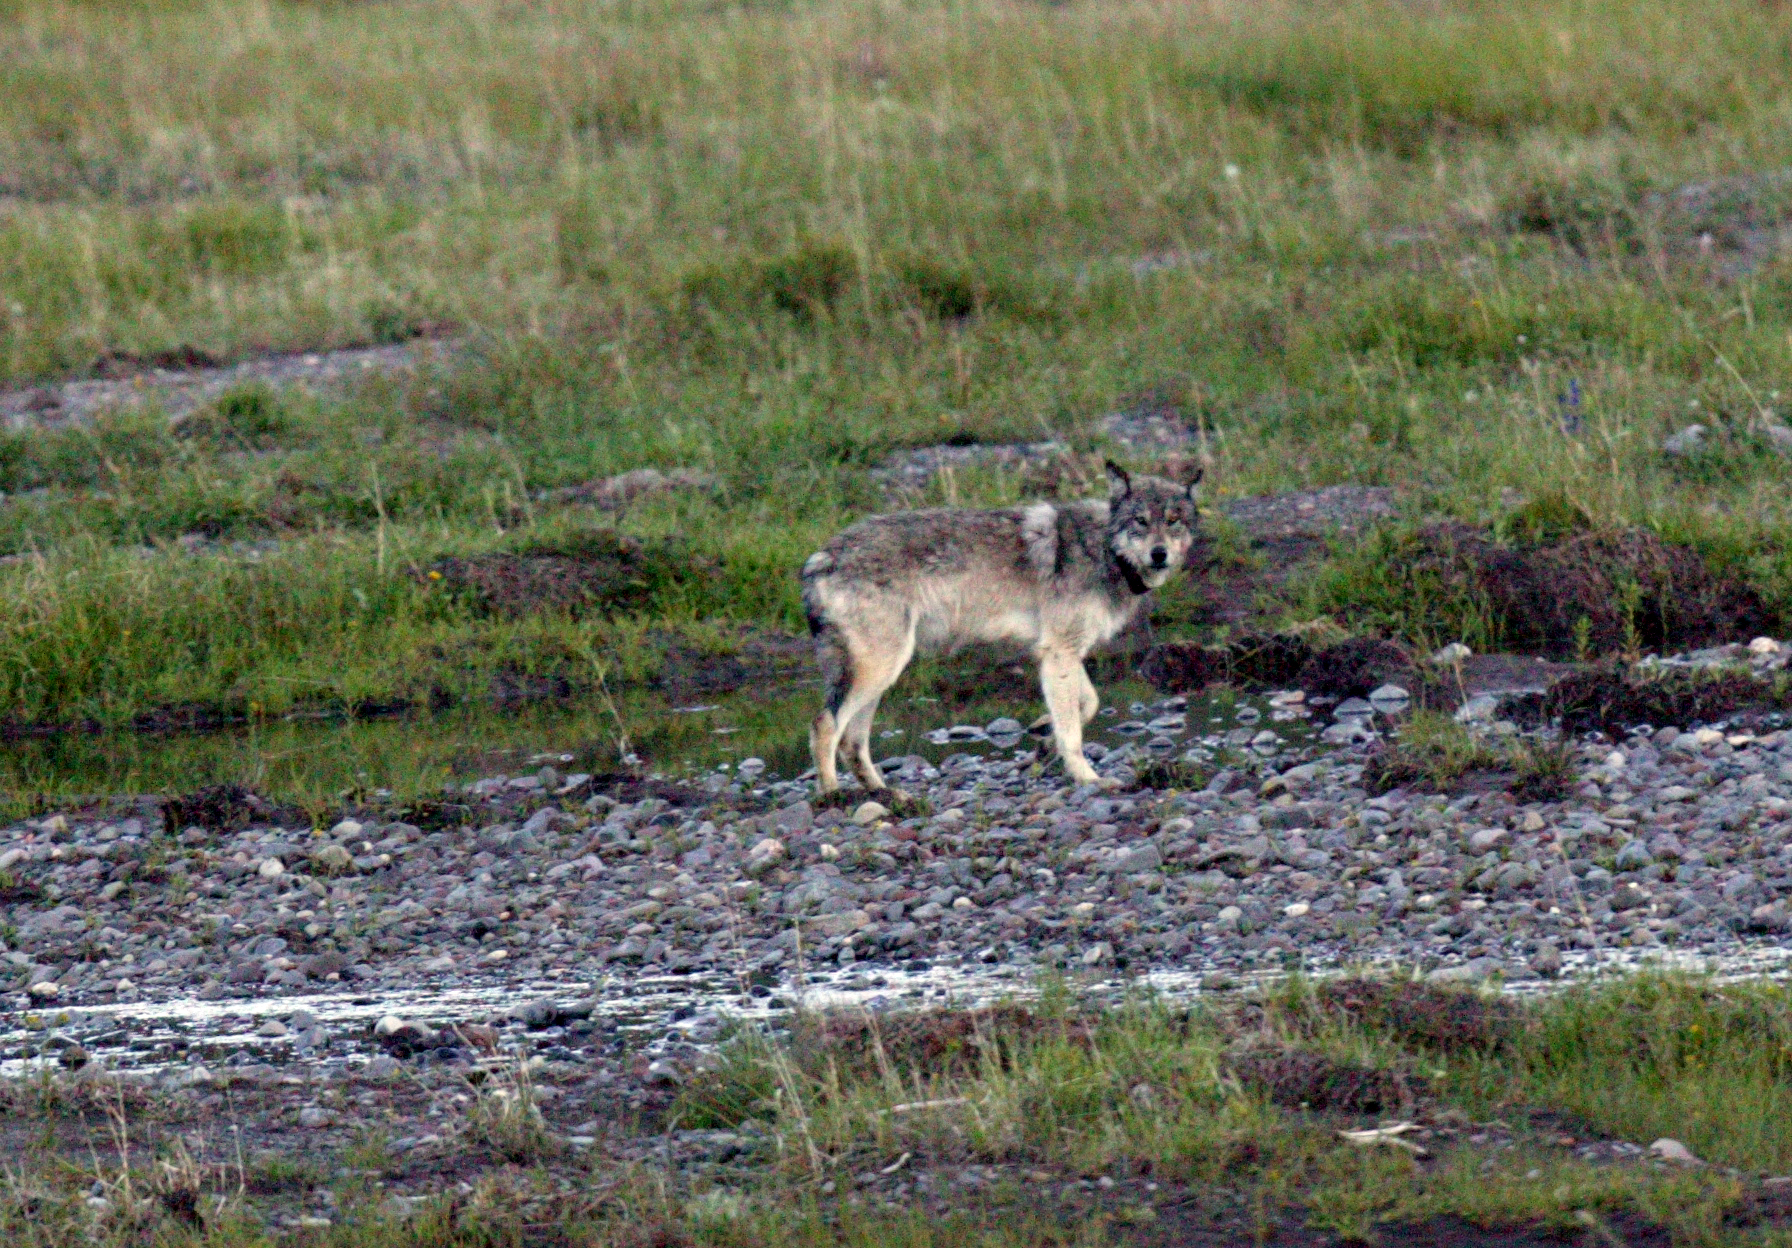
185, 378
1594, 593
616, 493
1354, 668
602, 572
1613, 697
1427, 1015
1296, 1079
762, 658
933, 1044
220, 808
1268, 659
1348, 669
116, 365
1728, 226
1191, 1226
1312, 513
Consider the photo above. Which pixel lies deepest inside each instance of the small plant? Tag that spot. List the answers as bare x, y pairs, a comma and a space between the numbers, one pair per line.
945, 291
806, 281
249, 417
1431, 748
1171, 773
1545, 769
505, 1119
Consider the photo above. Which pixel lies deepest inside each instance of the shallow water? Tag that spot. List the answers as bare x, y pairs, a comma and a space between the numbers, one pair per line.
322, 763
652, 1012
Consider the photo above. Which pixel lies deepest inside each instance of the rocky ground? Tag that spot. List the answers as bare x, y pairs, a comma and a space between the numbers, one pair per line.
1669, 841
225, 967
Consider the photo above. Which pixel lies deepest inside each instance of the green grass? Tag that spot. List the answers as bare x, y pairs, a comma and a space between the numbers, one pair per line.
777, 243
1433, 750
1103, 1126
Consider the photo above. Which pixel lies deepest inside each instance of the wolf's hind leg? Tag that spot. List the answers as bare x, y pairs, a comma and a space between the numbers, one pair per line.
855, 743
872, 679
825, 730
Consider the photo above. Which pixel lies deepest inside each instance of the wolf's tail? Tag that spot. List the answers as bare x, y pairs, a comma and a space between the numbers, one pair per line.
817, 566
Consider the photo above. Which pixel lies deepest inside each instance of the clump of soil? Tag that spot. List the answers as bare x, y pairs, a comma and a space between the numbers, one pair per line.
1352, 669
1349, 669
1261, 659
1429, 1015
218, 808
932, 1044
599, 572
113, 365
1612, 697
1163, 774
1296, 1079
1593, 592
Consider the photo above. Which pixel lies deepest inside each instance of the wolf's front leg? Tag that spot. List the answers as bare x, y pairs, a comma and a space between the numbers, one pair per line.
1062, 679
1089, 702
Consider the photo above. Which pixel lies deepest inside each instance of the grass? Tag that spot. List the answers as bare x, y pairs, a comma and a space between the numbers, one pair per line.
1442, 251
1434, 750
1077, 1125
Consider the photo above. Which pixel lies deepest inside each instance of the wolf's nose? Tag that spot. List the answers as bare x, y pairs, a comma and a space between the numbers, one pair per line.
1159, 556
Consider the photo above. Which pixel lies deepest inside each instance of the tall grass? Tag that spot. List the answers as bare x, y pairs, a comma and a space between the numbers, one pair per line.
1358, 242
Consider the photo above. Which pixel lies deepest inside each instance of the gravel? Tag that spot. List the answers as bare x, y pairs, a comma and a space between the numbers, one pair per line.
1671, 842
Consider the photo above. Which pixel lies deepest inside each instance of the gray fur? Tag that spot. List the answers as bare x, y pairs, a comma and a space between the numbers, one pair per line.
1059, 579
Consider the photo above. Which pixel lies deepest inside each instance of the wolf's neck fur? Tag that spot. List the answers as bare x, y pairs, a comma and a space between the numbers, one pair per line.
1130, 575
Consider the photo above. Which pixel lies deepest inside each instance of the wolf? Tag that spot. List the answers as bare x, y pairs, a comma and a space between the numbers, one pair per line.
1059, 579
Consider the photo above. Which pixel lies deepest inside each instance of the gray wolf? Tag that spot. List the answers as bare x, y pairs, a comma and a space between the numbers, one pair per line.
1059, 579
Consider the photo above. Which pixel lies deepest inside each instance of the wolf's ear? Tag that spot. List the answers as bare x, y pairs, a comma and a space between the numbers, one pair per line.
1195, 480
1119, 484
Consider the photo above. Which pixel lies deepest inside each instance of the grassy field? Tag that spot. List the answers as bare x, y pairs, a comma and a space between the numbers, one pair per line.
1056, 1123
1450, 249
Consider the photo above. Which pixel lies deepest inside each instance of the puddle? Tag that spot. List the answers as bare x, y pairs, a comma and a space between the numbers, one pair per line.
321, 763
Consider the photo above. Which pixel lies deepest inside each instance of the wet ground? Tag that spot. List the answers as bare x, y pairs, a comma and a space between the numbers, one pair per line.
740, 750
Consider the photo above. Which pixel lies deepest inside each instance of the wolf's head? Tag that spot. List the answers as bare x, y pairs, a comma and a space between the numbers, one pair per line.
1151, 525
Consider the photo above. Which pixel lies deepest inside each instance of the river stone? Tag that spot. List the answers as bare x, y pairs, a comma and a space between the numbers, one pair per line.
333, 858
795, 819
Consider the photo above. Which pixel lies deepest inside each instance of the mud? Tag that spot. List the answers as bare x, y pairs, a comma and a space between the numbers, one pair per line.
1264, 660
1348, 669
1595, 593
1428, 1016
1613, 698
220, 808
1296, 1079
1354, 668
